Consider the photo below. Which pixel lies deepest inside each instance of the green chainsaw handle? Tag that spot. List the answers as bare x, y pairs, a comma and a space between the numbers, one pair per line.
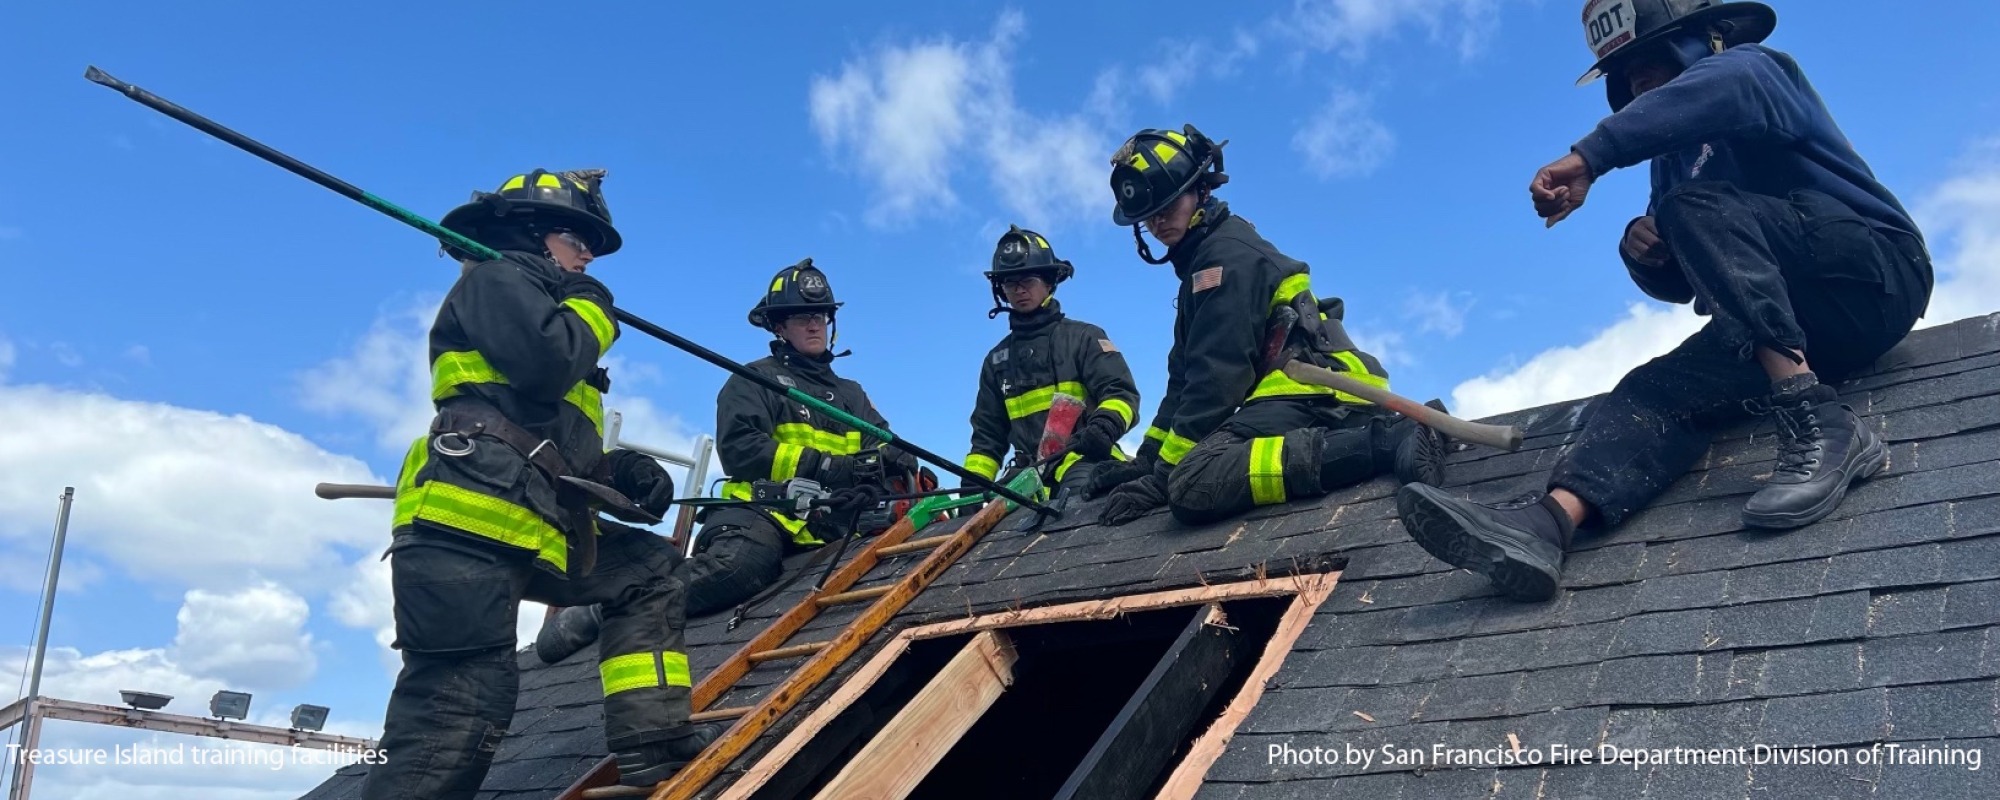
352, 192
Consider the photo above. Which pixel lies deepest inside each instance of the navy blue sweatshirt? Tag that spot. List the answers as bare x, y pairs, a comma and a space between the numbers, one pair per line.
1746, 116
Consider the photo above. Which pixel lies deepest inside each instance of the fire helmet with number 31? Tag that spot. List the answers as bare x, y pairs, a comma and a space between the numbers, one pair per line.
1616, 29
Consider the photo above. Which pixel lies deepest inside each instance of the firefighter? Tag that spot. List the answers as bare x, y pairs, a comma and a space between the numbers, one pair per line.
1046, 358
1764, 217
1233, 431
762, 436
483, 519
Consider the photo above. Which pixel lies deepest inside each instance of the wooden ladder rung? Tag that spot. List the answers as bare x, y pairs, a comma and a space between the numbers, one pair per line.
914, 545
718, 714
855, 596
794, 651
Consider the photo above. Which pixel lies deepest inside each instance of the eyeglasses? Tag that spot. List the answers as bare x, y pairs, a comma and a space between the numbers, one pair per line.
1017, 282
572, 240
812, 318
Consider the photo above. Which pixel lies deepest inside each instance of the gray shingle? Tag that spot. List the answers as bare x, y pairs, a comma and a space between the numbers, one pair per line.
1824, 720
1943, 711
1690, 590
1705, 780
1811, 669
1505, 652
1940, 771
1598, 605
1764, 624
1927, 658
1552, 689
1971, 604
1906, 611
1902, 566
1848, 779
1666, 632
1971, 559
1459, 698
1776, 581
1647, 679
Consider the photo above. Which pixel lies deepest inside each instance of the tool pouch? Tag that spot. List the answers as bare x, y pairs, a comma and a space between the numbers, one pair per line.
460, 421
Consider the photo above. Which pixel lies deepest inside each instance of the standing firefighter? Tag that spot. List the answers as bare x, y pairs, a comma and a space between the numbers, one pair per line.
1233, 430
1767, 220
483, 519
762, 436
1052, 377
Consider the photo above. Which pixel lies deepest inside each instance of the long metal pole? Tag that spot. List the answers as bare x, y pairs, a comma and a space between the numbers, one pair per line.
24, 770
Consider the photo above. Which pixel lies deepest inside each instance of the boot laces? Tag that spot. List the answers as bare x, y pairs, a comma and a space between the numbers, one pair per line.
1798, 437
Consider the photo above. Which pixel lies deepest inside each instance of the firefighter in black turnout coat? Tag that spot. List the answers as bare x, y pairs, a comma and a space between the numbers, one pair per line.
762, 436
1046, 360
482, 519
1234, 431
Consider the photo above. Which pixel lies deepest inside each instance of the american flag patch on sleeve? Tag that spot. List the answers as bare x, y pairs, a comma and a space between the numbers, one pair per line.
1208, 279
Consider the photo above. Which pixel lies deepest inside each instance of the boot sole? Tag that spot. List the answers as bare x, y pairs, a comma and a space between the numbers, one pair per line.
1459, 541
1873, 460
1421, 458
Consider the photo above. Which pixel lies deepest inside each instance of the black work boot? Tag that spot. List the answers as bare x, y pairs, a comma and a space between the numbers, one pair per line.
1411, 451
1518, 544
1822, 448
648, 764
567, 632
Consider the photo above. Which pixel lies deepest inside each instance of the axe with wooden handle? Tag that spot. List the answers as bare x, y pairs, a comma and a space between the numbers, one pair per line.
1505, 437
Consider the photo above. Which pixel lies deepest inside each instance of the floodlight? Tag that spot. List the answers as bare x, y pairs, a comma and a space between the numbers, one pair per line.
230, 705
308, 717
145, 701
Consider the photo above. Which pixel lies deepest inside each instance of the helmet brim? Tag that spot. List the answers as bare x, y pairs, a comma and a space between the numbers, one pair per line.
477, 216
1749, 23
1119, 218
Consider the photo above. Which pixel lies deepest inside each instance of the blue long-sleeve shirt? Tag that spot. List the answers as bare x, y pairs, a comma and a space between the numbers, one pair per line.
1746, 116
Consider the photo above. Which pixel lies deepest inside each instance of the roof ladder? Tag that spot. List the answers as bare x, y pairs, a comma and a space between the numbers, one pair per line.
822, 658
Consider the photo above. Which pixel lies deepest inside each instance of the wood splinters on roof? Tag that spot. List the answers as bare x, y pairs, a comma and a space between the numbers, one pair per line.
1364, 715
1514, 742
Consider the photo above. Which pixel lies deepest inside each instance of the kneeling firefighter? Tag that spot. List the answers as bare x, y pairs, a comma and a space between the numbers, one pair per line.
1053, 380
484, 517
1234, 431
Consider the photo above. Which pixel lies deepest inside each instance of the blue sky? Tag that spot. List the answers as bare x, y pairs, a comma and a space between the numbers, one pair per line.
197, 336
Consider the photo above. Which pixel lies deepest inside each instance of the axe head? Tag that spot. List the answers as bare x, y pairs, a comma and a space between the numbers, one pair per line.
612, 502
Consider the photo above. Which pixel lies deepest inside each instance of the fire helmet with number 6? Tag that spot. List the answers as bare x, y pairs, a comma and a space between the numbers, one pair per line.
1616, 29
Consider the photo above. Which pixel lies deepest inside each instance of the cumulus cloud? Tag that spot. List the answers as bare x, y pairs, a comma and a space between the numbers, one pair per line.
251, 637
911, 117
384, 381
1352, 27
1962, 220
1344, 139
1438, 312
1570, 372
177, 495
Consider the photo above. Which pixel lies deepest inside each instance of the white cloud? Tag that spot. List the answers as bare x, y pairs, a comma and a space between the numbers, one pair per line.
1386, 347
1567, 373
385, 380
1352, 27
139, 353
1438, 312
178, 495
6, 356
1962, 220
251, 637
66, 355
911, 117
1344, 140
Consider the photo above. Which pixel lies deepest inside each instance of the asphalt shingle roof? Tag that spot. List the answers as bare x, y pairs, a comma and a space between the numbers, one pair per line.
1679, 629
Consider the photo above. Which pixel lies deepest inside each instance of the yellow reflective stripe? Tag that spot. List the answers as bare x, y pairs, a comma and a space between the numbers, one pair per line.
644, 671
472, 512
1177, 137
1067, 462
1289, 288
804, 435
1037, 400
983, 465
515, 182
594, 316
1267, 470
1175, 447
1156, 433
1121, 408
457, 367
785, 463
1278, 384
1165, 152
740, 490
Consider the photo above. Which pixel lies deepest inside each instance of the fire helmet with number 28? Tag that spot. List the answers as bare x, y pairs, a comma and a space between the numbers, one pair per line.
1616, 29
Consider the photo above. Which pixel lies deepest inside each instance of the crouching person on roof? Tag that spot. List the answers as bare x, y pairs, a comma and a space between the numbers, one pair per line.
1233, 431
1053, 379
484, 520
1768, 221
764, 437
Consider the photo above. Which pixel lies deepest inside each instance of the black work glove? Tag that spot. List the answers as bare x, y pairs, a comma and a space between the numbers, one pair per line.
1098, 434
639, 477
898, 460
840, 472
1136, 497
579, 284
1113, 474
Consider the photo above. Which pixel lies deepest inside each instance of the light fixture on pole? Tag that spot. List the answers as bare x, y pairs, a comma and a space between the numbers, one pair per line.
145, 701
230, 705
308, 717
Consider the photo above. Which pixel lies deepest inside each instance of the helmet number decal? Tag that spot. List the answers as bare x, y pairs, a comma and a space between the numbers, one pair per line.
1128, 189
1608, 24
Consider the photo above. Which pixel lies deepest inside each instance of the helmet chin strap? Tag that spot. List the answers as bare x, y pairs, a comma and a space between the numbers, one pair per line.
1146, 251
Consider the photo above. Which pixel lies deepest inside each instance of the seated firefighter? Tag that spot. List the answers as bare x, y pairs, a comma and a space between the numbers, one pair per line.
764, 437
1234, 431
1053, 382
483, 518
1761, 214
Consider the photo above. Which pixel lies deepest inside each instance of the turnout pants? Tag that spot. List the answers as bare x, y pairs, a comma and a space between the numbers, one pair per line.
1802, 272
456, 602
1271, 452
741, 553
